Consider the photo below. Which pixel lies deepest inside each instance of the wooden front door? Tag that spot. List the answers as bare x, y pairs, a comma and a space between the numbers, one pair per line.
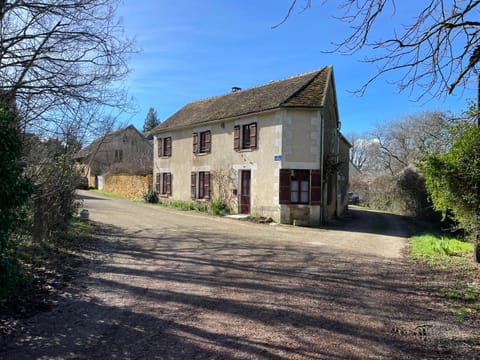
245, 193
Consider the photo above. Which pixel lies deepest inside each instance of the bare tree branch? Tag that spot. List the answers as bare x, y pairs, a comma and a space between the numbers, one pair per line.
432, 53
56, 55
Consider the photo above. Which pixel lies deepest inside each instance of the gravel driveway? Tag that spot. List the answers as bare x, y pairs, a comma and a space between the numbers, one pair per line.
180, 285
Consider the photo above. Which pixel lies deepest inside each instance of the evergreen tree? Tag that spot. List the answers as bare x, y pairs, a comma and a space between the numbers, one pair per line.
151, 120
14, 192
453, 180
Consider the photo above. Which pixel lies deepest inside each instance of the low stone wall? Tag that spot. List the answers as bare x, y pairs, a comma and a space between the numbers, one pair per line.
128, 185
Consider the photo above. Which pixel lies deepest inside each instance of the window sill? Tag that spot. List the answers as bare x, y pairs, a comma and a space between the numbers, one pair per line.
246, 150
202, 154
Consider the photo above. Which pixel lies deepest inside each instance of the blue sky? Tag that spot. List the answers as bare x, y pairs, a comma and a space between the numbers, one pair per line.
192, 50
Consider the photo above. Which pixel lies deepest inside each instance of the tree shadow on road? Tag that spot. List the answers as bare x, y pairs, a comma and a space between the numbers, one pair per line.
373, 222
198, 295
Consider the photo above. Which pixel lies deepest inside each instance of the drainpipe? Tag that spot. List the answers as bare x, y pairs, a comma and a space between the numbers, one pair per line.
322, 145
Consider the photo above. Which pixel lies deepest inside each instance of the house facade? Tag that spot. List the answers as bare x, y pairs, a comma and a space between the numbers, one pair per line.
119, 162
273, 151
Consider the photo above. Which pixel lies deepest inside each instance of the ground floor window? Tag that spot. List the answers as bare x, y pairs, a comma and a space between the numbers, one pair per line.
300, 186
200, 185
163, 184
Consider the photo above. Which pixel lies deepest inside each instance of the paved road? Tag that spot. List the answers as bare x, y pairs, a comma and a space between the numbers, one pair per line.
180, 285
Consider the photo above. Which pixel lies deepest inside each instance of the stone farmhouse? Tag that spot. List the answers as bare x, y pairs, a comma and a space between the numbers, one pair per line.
119, 162
274, 150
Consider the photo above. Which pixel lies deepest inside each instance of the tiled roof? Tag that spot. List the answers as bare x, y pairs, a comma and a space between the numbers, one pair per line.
305, 90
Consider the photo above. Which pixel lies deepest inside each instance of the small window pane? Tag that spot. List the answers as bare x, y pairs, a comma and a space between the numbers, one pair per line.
294, 185
246, 136
304, 185
294, 197
304, 197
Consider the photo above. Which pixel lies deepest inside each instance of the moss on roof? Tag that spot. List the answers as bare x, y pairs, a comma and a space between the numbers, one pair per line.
305, 91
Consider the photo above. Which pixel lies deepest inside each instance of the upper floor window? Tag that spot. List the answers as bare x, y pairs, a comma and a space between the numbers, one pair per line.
245, 136
118, 155
165, 147
202, 142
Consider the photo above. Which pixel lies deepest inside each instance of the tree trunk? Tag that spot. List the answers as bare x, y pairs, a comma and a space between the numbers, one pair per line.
476, 249
476, 239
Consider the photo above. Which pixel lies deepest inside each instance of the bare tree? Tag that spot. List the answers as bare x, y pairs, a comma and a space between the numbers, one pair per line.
57, 55
359, 149
404, 141
435, 53
60, 67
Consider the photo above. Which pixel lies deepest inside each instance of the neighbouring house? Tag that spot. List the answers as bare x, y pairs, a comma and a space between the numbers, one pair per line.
119, 162
274, 150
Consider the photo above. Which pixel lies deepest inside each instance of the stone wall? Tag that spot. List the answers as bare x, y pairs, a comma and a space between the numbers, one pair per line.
128, 185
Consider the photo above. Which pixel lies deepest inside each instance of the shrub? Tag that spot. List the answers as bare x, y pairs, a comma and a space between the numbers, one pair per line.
11, 275
218, 207
430, 246
151, 197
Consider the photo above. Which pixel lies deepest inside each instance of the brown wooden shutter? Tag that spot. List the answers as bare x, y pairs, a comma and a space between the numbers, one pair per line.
157, 184
253, 136
195, 143
208, 141
168, 183
236, 138
193, 188
160, 147
206, 185
315, 187
284, 196
168, 146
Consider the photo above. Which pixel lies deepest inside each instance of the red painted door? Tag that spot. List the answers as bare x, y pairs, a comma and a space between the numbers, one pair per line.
245, 193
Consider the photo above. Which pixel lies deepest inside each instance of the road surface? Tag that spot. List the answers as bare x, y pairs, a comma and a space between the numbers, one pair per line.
182, 285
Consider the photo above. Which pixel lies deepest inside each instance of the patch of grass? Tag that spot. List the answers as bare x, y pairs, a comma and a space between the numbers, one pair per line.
78, 230
461, 311
452, 293
474, 340
116, 196
451, 257
215, 207
464, 299
436, 250
180, 205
